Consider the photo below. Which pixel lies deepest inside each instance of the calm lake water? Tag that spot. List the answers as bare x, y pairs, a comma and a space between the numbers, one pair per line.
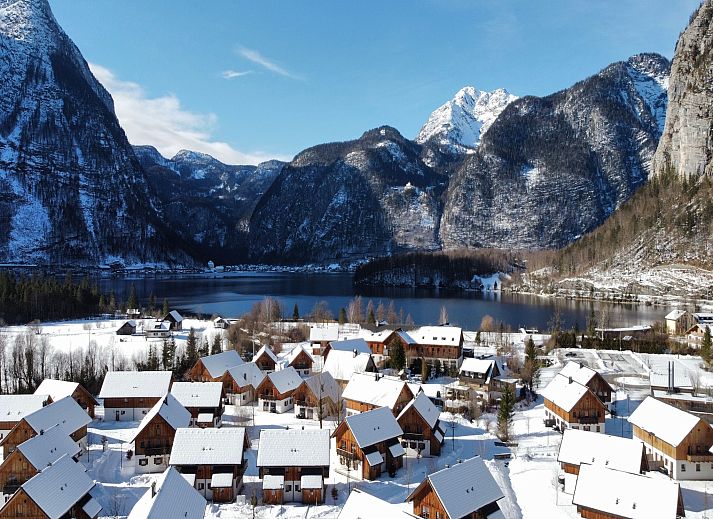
233, 294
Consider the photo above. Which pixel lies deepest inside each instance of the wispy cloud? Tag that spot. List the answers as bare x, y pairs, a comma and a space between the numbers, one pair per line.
162, 122
232, 74
266, 63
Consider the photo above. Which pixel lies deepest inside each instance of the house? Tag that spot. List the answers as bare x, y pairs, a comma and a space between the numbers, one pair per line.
464, 490
357, 345
423, 432
203, 400
13, 408
320, 335
157, 330
58, 389
704, 318
569, 404
485, 376
242, 383
379, 342
66, 413
678, 321
604, 493
589, 448
695, 334
675, 440
32, 456
275, 392
129, 395
368, 443
220, 323
153, 438
318, 397
343, 364
265, 359
169, 497
457, 397
127, 328
367, 391
213, 368
174, 320
362, 505
435, 345
299, 359
60, 490
590, 378
212, 459
293, 465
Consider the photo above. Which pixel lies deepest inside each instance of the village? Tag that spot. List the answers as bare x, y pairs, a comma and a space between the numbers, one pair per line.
360, 421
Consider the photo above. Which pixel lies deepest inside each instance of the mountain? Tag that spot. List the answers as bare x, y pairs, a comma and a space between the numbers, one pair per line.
206, 201
458, 125
71, 188
550, 169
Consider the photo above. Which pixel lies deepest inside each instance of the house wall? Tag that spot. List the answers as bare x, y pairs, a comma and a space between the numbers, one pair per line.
600, 387
15, 470
265, 363
347, 444
269, 395
426, 503
417, 431
20, 505
272, 497
240, 395
129, 409
85, 400
577, 418
302, 364
152, 446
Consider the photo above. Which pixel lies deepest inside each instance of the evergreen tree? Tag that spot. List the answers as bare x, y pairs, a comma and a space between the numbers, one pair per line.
371, 318
191, 356
133, 301
204, 348
425, 371
112, 302
477, 337
166, 308
217, 346
531, 369
505, 413
707, 345
296, 313
168, 353
398, 357
152, 303
342, 315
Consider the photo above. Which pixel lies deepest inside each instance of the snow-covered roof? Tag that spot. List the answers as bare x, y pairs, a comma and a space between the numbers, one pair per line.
704, 318
170, 410
324, 332
291, 355
45, 449
481, 366
464, 487
664, 421
158, 326
626, 495
285, 380
219, 363
373, 426
221, 480
66, 413
579, 372
361, 505
374, 388
132, 384
293, 448
247, 374
198, 394
265, 350
436, 335
592, 448
174, 497
312, 481
57, 389
563, 393
59, 487
380, 336
173, 314
329, 387
195, 446
343, 364
270, 482
423, 405
14, 408
204, 418
359, 345
674, 315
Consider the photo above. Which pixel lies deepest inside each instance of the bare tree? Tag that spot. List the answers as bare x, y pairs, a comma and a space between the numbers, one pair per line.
443, 316
355, 313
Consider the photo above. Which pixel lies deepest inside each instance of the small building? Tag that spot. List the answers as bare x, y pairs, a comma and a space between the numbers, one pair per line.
590, 378
242, 383
201, 398
66, 413
212, 459
464, 490
677, 441
174, 320
14, 408
368, 443
318, 397
213, 368
293, 465
569, 404
704, 318
343, 364
434, 345
367, 391
299, 359
127, 328
357, 345
379, 343
60, 490
457, 397
678, 321
265, 359
153, 439
129, 395
360, 501
604, 493
58, 389
157, 330
221, 324
485, 376
320, 335
276, 391
695, 334
171, 496
423, 432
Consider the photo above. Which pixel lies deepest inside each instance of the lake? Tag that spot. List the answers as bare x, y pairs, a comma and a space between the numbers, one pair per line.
233, 294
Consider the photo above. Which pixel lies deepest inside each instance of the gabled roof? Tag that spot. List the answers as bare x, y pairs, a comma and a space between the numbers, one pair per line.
293, 448
343, 364
362, 505
351, 345
170, 410
198, 394
128, 384
247, 374
210, 446
59, 487
664, 421
14, 408
579, 372
157, 326
45, 449
563, 393
265, 350
674, 315
329, 387
324, 332
57, 389
379, 336
373, 426
66, 413
423, 406
481, 366
463, 488
219, 363
374, 389
173, 314
292, 355
592, 448
622, 494
436, 335
175, 498
285, 380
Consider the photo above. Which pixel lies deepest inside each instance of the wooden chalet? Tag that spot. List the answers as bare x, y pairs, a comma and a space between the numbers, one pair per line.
242, 383
275, 393
14, 408
569, 404
220, 323
694, 334
368, 444
299, 359
214, 368
293, 465
203, 400
678, 321
58, 389
590, 378
212, 459
379, 342
153, 439
433, 343
174, 320
359, 501
127, 328
676, 441
317, 397
466, 490
423, 432
266, 360
129, 395
343, 364
485, 377
170, 496
320, 335
367, 391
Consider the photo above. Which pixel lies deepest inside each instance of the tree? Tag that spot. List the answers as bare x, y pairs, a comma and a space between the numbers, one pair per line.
425, 371
398, 357
166, 308
217, 346
706, 345
342, 316
370, 317
443, 315
203, 349
191, 348
296, 313
133, 301
168, 353
354, 310
531, 369
505, 413
487, 323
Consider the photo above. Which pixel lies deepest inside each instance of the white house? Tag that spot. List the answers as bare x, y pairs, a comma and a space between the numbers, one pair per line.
243, 381
170, 496
201, 398
276, 391
157, 330
129, 395
343, 364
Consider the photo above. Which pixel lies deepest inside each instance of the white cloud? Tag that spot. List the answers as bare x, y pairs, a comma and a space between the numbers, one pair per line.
259, 59
163, 123
232, 74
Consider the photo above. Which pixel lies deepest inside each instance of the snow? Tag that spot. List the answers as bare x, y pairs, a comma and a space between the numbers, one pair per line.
219, 363
374, 389
44, 449
585, 447
170, 410
294, 448
210, 446
285, 380
59, 487
663, 421
125, 384
373, 427
66, 413
198, 394
174, 498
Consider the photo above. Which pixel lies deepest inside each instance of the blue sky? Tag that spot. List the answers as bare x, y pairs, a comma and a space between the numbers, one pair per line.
246, 81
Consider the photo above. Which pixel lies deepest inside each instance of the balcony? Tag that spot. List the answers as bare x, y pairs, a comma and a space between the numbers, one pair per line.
412, 436
346, 454
698, 457
267, 397
588, 419
155, 451
10, 488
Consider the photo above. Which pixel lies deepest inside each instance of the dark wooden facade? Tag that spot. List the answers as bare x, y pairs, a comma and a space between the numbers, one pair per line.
267, 391
416, 429
21, 505
85, 399
302, 361
156, 439
23, 432
348, 448
426, 503
589, 411
14, 471
265, 362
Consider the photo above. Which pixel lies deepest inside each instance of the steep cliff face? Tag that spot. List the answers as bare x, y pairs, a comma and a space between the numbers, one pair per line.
550, 169
71, 189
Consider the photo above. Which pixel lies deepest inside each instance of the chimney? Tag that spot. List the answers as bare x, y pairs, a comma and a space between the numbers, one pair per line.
570, 380
153, 489
355, 352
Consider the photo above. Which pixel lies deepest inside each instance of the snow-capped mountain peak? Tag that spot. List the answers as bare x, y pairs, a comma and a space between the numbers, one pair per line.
460, 123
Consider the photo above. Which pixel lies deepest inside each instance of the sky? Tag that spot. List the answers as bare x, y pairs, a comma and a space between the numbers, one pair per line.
247, 81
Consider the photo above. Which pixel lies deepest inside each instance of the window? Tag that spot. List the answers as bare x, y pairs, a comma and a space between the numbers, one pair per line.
158, 461
424, 512
143, 462
297, 488
123, 412
683, 467
288, 488
698, 467
200, 486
